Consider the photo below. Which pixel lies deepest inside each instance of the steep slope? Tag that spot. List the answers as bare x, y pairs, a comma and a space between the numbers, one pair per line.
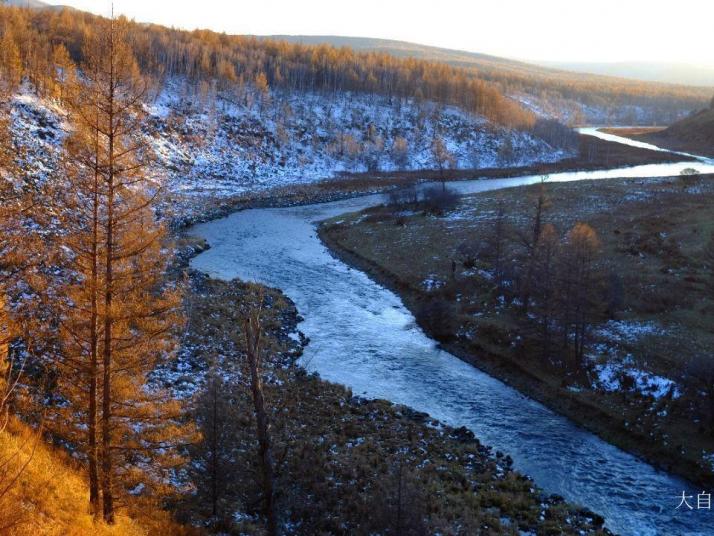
215, 146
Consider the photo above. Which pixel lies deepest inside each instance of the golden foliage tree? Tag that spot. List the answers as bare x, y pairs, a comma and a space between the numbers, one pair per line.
118, 317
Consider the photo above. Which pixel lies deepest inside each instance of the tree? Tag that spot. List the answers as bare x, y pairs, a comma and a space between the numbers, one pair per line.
529, 240
263, 89
11, 69
506, 152
442, 158
64, 71
119, 317
398, 505
215, 458
400, 152
688, 177
372, 149
544, 288
253, 334
578, 287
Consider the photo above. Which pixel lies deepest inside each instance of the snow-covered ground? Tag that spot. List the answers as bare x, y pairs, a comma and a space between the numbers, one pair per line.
617, 369
571, 111
235, 147
215, 146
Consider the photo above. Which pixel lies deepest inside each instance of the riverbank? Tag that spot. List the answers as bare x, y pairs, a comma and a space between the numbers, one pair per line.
366, 465
381, 242
690, 140
593, 154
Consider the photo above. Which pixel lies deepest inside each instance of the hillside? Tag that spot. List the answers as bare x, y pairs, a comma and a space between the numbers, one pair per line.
694, 134
50, 495
668, 73
210, 148
569, 96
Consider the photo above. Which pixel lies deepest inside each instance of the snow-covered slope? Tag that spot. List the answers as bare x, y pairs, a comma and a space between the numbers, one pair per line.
228, 147
215, 146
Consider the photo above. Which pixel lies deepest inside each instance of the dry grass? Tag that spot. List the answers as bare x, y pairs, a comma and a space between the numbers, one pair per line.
50, 495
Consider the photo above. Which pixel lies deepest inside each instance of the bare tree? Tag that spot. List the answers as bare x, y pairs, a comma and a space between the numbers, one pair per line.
529, 240
253, 334
545, 281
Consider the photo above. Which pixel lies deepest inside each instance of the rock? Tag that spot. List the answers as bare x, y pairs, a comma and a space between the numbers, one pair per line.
464, 435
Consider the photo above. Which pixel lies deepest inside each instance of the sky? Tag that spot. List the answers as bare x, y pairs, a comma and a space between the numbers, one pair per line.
546, 30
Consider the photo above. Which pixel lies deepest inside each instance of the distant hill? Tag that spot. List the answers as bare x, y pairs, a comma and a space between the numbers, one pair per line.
459, 58
34, 4
671, 73
694, 134
667, 73
557, 90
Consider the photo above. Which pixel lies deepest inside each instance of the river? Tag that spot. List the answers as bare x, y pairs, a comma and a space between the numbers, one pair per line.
362, 336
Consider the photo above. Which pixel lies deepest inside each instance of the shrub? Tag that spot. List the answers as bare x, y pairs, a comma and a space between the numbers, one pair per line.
404, 195
688, 177
439, 200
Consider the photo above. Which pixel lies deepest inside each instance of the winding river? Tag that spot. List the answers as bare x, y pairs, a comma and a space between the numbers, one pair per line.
362, 336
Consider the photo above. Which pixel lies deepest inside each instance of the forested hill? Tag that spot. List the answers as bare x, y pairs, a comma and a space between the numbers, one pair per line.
34, 38
564, 94
505, 91
239, 115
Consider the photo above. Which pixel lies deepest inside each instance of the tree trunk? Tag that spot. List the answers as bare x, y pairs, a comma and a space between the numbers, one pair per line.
253, 336
107, 493
94, 342
214, 455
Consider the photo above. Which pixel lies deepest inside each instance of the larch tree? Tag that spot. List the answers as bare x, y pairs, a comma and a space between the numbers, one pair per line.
120, 317
215, 458
11, 70
546, 253
442, 157
579, 287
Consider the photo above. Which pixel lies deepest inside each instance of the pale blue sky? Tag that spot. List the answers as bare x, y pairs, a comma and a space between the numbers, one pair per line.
557, 30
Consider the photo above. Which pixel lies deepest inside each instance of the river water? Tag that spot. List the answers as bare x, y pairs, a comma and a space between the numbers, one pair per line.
362, 336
